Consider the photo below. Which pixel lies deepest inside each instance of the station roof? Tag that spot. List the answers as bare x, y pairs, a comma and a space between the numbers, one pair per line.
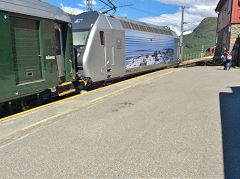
220, 5
34, 8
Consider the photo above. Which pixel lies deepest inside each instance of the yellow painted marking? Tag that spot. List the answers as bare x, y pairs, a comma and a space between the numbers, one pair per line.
26, 130
65, 84
67, 92
59, 101
162, 75
85, 83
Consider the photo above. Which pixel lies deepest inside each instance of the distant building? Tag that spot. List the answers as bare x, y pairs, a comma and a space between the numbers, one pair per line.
228, 28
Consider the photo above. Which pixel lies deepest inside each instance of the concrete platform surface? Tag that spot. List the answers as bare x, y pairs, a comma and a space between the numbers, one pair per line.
181, 122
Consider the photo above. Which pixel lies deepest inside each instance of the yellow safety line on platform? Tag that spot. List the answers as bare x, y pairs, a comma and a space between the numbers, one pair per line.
162, 75
59, 101
26, 130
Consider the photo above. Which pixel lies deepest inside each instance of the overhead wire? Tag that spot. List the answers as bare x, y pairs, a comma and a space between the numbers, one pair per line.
153, 14
146, 12
150, 13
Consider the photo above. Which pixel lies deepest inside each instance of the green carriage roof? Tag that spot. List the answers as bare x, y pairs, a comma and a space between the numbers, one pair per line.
34, 8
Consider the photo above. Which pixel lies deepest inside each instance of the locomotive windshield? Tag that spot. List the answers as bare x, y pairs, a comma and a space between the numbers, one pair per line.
80, 37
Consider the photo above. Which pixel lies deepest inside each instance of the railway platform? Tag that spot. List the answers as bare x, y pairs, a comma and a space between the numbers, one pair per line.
178, 122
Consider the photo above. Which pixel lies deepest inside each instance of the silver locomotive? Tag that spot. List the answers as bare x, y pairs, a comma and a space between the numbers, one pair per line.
108, 47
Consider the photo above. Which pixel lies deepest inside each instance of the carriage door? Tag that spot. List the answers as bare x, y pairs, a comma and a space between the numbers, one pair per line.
59, 50
26, 49
109, 49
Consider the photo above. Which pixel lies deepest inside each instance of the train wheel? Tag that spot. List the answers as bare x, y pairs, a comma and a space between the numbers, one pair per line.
25, 105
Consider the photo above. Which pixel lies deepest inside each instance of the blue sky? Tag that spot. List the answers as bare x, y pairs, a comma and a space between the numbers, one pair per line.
159, 12
140, 8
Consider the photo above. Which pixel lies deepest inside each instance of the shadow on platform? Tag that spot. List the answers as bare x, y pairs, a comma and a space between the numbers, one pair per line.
230, 118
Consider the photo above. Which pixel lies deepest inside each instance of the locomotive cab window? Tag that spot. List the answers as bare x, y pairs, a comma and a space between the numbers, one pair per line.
80, 37
102, 38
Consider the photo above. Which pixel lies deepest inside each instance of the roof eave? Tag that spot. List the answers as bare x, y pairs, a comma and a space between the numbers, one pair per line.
220, 5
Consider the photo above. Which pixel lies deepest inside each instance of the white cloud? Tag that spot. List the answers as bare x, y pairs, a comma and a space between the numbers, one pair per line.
195, 12
189, 3
71, 10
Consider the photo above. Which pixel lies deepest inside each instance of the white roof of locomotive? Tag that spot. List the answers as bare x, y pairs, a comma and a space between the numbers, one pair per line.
146, 24
34, 8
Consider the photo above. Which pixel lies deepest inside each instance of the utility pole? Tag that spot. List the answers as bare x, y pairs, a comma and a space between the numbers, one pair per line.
181, 37
89, 5
202, 51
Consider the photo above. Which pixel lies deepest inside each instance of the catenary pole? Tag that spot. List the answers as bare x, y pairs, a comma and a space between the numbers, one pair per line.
89, 5
181, 36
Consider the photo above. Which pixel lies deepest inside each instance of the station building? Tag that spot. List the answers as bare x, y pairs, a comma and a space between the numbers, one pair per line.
228, 29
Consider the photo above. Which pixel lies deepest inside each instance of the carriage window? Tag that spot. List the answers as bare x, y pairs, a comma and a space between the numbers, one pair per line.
58, 42
102, 37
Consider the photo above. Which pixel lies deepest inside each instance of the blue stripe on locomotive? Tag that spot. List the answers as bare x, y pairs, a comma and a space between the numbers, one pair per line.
144, 49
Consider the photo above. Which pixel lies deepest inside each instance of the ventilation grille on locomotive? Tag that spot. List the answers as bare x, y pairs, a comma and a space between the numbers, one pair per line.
129, 25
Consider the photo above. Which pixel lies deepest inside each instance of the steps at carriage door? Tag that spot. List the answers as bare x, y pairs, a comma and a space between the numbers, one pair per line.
26, 49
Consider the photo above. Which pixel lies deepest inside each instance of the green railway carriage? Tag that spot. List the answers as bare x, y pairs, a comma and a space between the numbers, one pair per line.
36, 49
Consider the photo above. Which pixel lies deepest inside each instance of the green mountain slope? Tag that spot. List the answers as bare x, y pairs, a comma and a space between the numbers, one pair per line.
204, 36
